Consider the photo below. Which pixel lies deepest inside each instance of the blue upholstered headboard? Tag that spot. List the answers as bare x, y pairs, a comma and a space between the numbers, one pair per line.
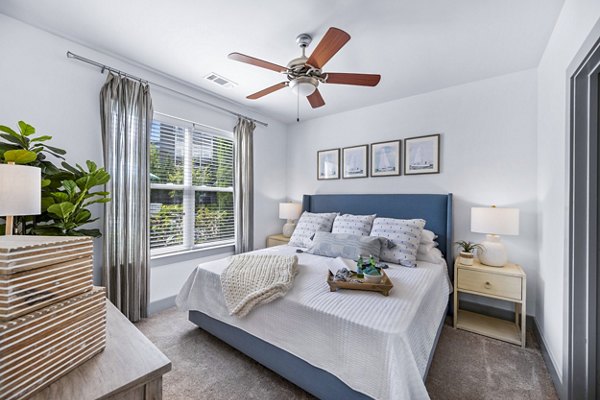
436, 209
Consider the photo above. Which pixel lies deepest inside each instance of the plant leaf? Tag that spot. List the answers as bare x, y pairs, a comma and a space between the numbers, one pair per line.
26, 129
62, 210
70, 187
103, 200
92, 167
46, 182
82, 217
20, 156
89, 232
54, 149
41, 139
9, 131
60, 196
11, 138
69, 168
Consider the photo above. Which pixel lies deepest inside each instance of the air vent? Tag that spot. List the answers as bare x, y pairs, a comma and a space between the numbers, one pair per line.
219, 80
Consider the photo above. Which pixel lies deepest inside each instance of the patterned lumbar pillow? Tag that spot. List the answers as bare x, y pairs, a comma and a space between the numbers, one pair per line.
308, 224
346, 245
353, 224
405, 234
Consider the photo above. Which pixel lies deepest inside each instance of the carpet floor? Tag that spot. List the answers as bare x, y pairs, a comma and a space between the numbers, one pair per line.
465, 366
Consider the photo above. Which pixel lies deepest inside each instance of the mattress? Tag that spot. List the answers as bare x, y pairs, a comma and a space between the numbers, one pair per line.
376, 345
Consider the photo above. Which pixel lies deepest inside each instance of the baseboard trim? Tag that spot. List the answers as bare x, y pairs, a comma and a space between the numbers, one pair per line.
561, 389
531, 321
160, 305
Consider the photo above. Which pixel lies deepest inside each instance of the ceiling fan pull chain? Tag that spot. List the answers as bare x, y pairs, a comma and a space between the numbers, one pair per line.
298, 107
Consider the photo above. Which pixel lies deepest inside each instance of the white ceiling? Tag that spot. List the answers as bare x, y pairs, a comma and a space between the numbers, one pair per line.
417, 46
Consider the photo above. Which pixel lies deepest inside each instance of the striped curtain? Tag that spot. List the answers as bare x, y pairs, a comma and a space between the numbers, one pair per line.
126, 113
244, 185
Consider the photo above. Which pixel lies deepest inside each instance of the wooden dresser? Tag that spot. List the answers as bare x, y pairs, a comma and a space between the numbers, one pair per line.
130, 367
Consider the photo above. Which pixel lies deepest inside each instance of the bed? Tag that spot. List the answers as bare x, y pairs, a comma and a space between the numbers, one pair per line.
302, 337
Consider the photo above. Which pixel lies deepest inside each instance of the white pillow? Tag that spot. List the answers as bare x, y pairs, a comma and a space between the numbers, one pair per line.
433, 256
308, 225
428, 236
405, 234
353, 224
426, 247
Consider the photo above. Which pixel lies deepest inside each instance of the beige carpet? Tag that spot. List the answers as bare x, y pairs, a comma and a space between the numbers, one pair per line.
465, 366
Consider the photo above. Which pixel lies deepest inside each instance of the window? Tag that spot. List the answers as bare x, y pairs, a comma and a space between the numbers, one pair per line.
191, 187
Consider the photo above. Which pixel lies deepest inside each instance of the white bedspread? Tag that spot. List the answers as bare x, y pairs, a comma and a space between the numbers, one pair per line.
376, 345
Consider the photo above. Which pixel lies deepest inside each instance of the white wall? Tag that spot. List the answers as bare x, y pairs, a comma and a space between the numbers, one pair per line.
573, 27
488, 153
60, 97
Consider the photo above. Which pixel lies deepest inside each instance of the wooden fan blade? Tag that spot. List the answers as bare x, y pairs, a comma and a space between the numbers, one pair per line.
353, 79
331, 43
256, 61
315, 99
266, 91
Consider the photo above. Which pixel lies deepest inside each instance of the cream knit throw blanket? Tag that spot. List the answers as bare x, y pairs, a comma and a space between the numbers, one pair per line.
253, 279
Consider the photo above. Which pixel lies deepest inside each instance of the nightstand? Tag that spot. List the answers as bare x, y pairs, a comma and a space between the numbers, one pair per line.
277, 240
506, 283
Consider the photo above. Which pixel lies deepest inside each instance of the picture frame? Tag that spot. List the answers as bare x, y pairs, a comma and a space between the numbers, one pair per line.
355, 162
328, 164
385, 158
422, 155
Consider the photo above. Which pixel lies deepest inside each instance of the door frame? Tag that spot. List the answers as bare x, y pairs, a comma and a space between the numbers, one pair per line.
583, 275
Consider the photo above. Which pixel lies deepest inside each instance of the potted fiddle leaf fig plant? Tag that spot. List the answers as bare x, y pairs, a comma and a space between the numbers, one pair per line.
66, 191
466, 251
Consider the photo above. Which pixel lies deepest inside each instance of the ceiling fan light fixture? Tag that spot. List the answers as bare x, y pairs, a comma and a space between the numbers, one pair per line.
304, 86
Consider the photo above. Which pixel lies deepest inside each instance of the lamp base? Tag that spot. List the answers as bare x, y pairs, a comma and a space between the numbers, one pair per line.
494, 253
288, 228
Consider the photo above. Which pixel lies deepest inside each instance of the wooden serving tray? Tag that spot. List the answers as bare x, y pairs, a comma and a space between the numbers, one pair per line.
384, 287
40, 347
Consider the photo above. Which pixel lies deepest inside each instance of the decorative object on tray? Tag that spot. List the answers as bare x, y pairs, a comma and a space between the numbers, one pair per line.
51, 317
422, 155
291, 212
494, 221
355, 162
385, 158
466, 251
328, 164
20, 192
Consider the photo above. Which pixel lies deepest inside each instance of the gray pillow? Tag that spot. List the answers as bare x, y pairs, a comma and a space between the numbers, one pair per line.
346, 245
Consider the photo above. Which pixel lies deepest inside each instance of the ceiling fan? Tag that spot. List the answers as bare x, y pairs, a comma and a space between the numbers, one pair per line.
304, 74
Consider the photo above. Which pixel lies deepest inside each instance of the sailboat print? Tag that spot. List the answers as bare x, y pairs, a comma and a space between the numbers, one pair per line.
418, 161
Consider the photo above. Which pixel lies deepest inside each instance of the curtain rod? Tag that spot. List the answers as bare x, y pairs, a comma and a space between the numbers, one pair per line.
221, 131
104, 67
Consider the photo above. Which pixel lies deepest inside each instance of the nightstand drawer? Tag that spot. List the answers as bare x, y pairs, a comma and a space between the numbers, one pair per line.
492, 284
274, 242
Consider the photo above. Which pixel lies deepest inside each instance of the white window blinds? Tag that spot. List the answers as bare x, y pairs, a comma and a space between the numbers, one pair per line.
191, 181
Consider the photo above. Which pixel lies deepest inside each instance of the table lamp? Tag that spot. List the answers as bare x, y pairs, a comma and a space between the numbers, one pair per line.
494, 221
20, 192
291, 212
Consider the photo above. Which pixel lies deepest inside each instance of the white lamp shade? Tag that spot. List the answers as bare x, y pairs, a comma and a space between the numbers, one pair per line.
20, 190
290, 210
494, 220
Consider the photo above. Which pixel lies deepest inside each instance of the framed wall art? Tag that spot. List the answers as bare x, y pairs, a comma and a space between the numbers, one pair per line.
328, 164
422, 155
355, 162
385, 158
